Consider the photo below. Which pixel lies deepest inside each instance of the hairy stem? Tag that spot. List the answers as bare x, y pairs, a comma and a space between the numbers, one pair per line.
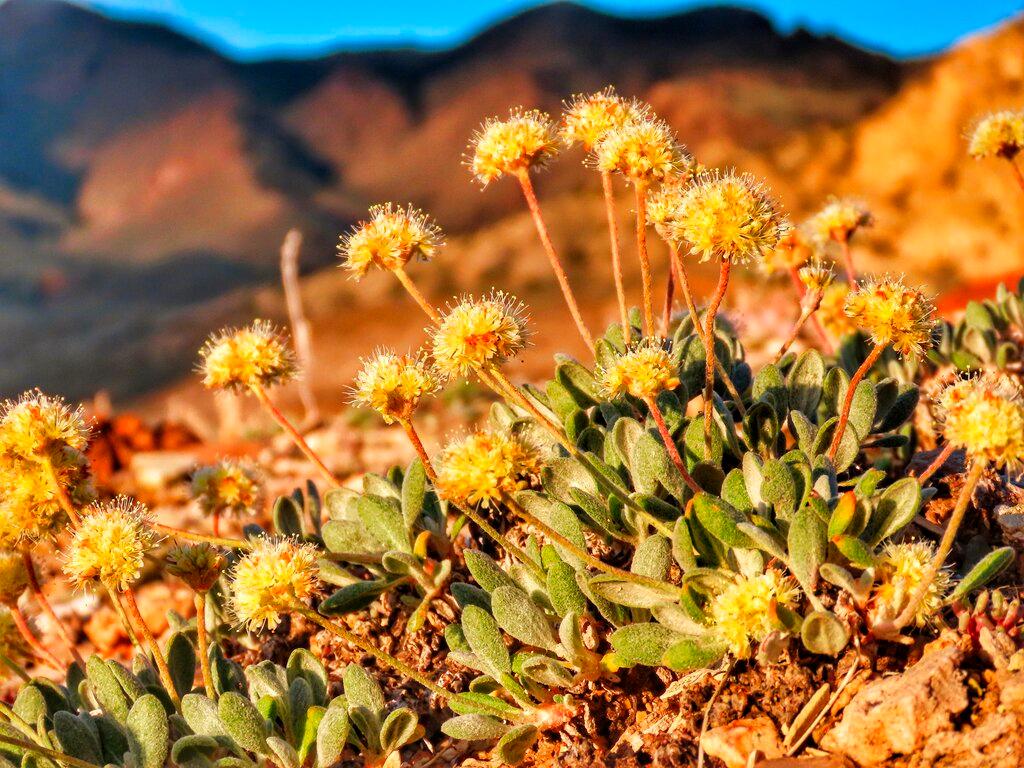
709, 351
47, 608
613, 236
203, 646
15, 667
219, 541
34, 643
666, 311
293, 433
60, 757
844, 415
640, 197
1018, 174
61, 492
851, 272
808, 307
417, 295
154, 648
670, 444
819, 329
556, 263
937, 463
118, 606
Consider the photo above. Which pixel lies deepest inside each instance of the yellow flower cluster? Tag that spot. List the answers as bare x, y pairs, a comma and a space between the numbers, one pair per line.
588, 119
1000, 134
644, 371
642, 150
839, 219
198, 565
36, 426
228, 487
390, 239
485, 466
900, 570
742, 614
893, 314
816, 277
479, 333
985, 416
523, 140
258, 355
393, 385
109, 544
272, 577
664, 206
832, 311
13, 577
729, 217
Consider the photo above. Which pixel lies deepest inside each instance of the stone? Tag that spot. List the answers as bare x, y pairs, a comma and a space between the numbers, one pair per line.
733, 742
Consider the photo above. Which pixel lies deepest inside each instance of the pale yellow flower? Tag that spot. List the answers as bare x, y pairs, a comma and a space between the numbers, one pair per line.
588, 119
1000, 134
272, 578
893, 314
643, 371
258, 355
486, 466
109, 544
643, 150
985, 416
839, 219
742, 614
393, 385
900, 570
479, 333
523, 140
228, 487
390, 239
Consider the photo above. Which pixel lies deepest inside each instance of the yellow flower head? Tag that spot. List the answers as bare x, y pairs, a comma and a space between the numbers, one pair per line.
36, 426
900, 570
198, 565
479, 333
985, 416
644, 371
485, 466
893, 314
643, 149
12, 644
30, 508
729, 217
109, 544
795, 249
1000, 134
272, 577
832, 311
839, 219
13, 577
258, 355
816, 277
742, 614
393, 385
665, 206
390, 239
523, 140
228, 487
587, 119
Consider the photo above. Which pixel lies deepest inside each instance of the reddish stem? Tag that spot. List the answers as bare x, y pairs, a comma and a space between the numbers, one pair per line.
844, 415
709, 351
851, 272
670, 444
613, 236
293, 433
44, 604
34, 643
640, 197
937, 463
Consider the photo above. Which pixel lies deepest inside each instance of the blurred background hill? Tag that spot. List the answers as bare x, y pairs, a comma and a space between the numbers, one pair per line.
146, 181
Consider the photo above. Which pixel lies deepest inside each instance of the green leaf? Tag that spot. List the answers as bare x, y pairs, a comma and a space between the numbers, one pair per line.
349, 536
644, 643
181, 660
693, 444
849, 446
414, 491
484, 637
194, 751
74, 738
474, 727
580, 383
362, 690
105, 687
769, 387
354, 596
807, 547
303, 664
843, 516
565, 594
653, 467
201, 715
823, 633
782, 487
630, 594
243, 722
331, 736
653, 558
486, 571
399, 729
984, 571
896, 509
284, 753
148, 732
721, 519
384, 520
512, 747
855, 550
862, 409
682, 546
287, 516
521, 618
693, 653
804, 382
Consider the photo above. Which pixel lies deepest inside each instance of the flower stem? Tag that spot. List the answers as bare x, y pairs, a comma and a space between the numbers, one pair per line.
34, 643
808, 307
945, 545
417, 294
44, 604
15, 667
556, 263
819, 329
640, 197
219, 541
666, 312
61, 492
215, 523
293, 433
851, 272
709, 350
382, 656
1017, 173
60, 757
154, 649
937, 463
118, 607
203, 643
594, 562
613, 235
670, 444
851, 390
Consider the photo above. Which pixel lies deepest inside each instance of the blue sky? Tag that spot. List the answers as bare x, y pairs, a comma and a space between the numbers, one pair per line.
258, 28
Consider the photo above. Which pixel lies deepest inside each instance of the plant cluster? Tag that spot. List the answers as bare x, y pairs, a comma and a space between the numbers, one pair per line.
660, 503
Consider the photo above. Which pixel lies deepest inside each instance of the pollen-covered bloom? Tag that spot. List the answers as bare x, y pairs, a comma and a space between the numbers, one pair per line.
228, 487
109, 544
198, 565
479, 333
643, 149
832, 311
665, 205
795, 249
30, 509
1000, 134
389, 239
729, 218
257, 355
900, 570
816, 277
587, 119
272, 577
507, 146
839, 219
743, 614
37, 426
485, 466
644, 371
893, 314
985, 416
393, 384
13, 577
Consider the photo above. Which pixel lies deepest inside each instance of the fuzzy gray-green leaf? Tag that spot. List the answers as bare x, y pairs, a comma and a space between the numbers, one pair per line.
243, 722
148, 732
521, 618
